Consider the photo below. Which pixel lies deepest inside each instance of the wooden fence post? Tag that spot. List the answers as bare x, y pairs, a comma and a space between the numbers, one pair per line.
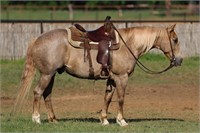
70, 12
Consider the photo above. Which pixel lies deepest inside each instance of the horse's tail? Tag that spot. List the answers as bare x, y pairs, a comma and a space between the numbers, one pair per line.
26, 81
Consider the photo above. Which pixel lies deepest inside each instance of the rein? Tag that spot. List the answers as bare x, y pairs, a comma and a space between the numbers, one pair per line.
141, 65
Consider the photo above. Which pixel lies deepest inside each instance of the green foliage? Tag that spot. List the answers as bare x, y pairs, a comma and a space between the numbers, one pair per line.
43, 3
5, 2
90, 2
105, 2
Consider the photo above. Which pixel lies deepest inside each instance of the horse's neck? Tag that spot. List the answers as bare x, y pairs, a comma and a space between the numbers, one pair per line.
140, 40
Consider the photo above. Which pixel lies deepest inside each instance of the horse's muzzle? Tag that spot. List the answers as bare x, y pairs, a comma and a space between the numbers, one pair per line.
178, 61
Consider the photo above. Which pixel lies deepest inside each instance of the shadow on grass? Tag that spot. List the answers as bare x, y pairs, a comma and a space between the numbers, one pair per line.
112, 120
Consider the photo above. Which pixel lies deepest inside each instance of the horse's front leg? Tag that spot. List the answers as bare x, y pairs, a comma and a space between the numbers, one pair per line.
121, 83
107, 99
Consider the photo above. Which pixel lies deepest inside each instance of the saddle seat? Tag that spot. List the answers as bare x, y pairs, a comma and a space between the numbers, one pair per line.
77, 36
96, 35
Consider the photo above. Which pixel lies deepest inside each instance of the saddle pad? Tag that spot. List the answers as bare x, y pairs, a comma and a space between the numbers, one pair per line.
76, 39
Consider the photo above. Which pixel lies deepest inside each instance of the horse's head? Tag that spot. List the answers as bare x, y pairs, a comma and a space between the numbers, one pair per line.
169, 44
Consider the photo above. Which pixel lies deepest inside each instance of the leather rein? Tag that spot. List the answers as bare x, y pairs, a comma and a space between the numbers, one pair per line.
141, 65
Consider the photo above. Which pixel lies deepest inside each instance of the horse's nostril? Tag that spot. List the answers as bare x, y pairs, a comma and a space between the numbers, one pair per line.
178, 61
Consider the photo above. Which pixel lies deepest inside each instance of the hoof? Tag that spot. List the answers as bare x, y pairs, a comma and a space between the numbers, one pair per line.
53, 121
122, 122
104, 121
36, 119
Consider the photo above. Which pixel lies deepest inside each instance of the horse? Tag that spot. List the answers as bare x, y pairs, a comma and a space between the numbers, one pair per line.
51, 53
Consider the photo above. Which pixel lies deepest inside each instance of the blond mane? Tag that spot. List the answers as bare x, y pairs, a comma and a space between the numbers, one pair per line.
142, 39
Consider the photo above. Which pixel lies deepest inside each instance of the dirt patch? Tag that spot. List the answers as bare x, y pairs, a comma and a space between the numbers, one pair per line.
171, 101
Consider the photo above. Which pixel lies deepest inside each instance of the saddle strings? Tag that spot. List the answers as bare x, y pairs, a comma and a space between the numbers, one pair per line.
140, 64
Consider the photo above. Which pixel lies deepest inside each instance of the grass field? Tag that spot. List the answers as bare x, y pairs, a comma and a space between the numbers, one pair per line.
154, 103
95, 15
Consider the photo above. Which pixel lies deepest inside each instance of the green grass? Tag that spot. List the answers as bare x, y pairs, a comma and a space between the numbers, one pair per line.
91, 15
188, 73
177, 75
11, 73
93, 125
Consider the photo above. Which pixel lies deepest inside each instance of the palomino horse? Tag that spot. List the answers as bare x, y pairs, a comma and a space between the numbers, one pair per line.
51, 53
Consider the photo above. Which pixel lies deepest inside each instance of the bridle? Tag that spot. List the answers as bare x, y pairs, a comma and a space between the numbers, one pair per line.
141, 65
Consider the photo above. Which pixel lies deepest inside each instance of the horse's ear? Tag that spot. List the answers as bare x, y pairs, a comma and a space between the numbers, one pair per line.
171, 28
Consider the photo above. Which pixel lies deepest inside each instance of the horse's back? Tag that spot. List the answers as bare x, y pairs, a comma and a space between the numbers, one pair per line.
52, 35
49, 50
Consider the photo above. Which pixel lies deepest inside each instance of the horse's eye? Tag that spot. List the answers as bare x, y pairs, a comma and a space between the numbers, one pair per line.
175, 40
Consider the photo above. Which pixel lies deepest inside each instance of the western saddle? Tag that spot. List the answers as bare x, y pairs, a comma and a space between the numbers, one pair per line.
105, 38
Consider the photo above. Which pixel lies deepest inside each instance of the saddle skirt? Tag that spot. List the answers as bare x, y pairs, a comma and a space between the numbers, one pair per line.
76, 38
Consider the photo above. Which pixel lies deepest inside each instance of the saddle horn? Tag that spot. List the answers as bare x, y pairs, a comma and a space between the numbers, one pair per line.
108, 18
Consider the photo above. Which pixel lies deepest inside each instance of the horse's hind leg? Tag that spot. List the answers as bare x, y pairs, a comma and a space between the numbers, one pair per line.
107, 99
47, 99
38, 92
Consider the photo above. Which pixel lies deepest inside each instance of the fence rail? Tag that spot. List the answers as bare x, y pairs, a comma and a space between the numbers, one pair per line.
129, 6
16, 35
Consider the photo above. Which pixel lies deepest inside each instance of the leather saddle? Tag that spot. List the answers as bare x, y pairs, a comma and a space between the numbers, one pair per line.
95, 35
103, 39
77, 36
